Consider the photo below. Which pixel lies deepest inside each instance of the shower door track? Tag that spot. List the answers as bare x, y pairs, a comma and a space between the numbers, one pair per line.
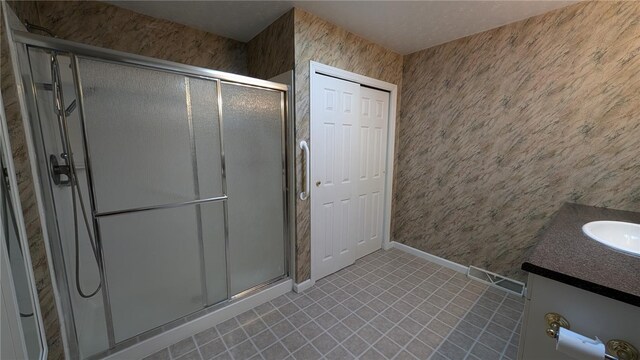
45, 42
77, 49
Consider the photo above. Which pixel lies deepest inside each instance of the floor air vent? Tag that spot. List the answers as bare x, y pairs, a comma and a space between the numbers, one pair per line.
499, 281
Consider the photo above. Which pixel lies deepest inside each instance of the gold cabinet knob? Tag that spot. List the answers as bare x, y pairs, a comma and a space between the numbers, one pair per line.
622, 349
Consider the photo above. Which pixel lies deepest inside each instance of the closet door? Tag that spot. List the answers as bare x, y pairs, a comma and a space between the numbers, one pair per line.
335, 112
349, 125
372, 160
253, 135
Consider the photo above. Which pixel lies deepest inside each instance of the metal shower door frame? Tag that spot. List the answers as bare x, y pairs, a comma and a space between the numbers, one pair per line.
76, 51
75, 62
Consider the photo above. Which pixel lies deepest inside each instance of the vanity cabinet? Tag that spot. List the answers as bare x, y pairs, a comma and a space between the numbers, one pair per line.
594, 287
589, 314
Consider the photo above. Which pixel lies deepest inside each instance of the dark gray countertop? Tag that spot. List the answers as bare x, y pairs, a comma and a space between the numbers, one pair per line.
563, 253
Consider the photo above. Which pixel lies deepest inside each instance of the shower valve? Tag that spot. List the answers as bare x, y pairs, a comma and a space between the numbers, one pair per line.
58, 170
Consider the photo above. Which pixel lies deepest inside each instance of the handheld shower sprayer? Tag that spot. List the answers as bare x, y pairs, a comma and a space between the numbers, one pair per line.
69, 171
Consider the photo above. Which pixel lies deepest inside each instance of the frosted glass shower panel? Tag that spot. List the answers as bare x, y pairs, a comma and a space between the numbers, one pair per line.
214, 251
152, 266
206, 135
253, 138
140, 129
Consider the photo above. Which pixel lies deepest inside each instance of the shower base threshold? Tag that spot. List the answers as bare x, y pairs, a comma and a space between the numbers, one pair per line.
236, 307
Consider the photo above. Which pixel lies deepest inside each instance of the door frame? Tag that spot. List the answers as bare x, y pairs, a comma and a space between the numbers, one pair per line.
316, 69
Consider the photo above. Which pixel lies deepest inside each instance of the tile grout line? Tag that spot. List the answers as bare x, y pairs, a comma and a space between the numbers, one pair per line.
338, 342
513, 333
198, 347
371, 346
249, 337
221, 340
368, 271
278, 340
477, 339
267, 329
434, 317
352, 312
475, 302
414, 337
441, 309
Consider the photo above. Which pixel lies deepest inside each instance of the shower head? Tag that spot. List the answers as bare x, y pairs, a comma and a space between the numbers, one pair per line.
70, 108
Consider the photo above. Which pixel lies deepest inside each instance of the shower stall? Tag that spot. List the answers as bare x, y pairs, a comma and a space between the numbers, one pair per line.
164, 187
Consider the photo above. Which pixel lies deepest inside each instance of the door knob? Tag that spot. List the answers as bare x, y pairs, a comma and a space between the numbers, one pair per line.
318, 183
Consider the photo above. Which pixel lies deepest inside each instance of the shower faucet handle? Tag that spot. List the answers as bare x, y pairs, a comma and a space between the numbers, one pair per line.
58, 170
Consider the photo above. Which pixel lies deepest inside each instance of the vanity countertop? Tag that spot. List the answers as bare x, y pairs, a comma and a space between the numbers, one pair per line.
565, 254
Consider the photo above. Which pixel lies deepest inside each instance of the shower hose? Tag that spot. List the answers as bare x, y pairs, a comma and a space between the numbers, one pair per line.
62, 113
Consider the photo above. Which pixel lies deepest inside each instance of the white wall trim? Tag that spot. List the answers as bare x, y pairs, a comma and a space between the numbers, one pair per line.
170, 337
300, 287
425, 255
319, 68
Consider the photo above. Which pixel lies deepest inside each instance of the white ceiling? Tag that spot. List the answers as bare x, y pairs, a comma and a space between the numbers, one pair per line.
402, 26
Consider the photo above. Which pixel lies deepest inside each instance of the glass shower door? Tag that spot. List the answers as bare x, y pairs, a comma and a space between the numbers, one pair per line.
253, 129
154, 158
183, 177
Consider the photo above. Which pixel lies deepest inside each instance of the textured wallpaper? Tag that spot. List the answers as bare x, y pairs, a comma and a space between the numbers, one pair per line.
499, 129
37, 246
271, 52
318, 40
108, 26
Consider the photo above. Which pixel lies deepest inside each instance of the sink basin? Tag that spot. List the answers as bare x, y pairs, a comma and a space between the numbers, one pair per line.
621, 236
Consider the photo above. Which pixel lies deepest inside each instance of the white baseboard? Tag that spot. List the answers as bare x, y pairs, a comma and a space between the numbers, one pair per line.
303, 285
387, 245
170, 337
425, 255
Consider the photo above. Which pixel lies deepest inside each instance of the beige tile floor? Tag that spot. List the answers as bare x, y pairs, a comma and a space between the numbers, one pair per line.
388, 305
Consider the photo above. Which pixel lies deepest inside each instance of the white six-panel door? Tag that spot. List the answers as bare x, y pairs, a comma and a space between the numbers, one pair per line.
374, 120
348, 156
334, 159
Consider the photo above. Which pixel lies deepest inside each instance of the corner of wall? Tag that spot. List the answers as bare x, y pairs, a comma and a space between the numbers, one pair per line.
271, 52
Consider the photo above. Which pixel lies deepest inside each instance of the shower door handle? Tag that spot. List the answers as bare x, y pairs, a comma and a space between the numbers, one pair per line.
306, 180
